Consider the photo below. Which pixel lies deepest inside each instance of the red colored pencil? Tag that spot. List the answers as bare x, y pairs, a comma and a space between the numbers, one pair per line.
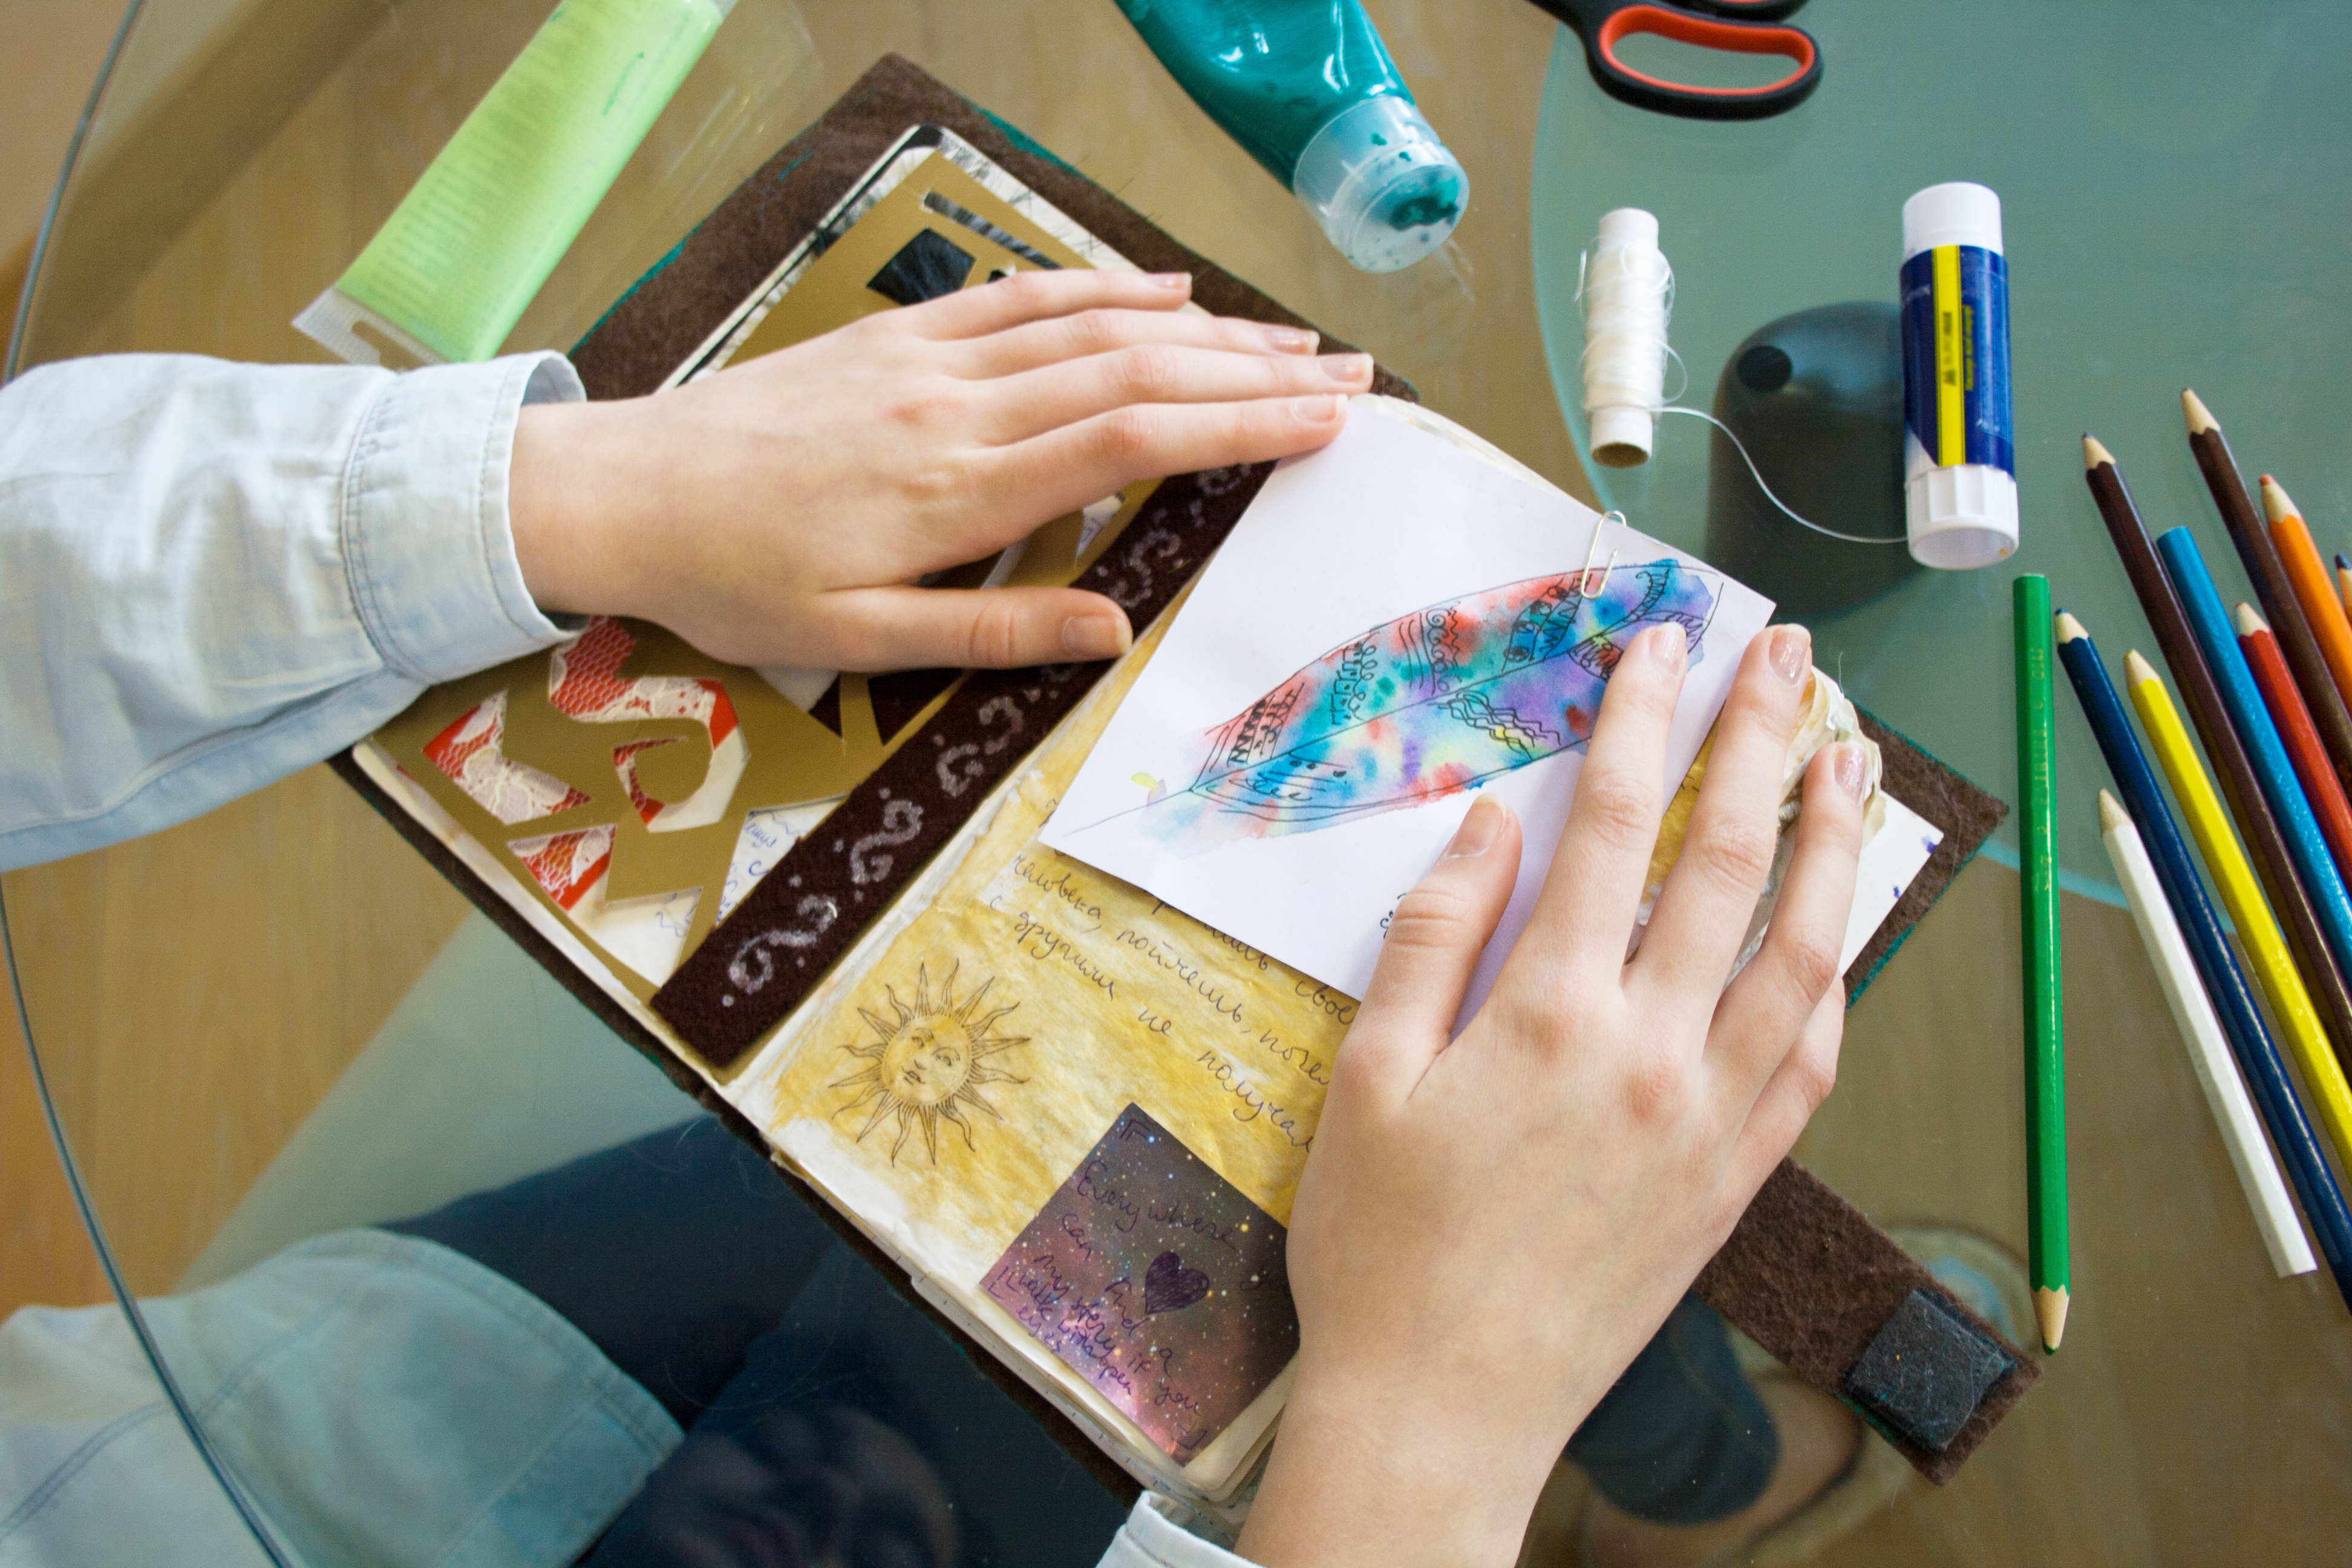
2256, 641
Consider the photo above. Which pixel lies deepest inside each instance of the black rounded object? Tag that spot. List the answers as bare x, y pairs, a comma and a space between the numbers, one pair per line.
1816, 398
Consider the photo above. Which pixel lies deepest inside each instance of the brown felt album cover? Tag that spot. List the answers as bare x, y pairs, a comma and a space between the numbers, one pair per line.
818, 902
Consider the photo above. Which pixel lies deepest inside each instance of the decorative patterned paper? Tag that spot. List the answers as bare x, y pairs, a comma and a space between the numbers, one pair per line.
1042, 1003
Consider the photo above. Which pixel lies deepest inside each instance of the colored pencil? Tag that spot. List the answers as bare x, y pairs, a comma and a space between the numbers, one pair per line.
2225, 984
2274, 775
2329, 628
2271, 585
2248, 1034
2209, 1056
2179, 646
2045, 1039
2272, 679
2343, 580
2290, 1004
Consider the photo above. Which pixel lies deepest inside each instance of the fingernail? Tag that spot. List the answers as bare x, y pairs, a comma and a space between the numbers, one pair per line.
1348, 370
1791, 653
1669, 645
1094, 637
1292, 340
1478, 830
1173, 280
1317, 410
1853, 769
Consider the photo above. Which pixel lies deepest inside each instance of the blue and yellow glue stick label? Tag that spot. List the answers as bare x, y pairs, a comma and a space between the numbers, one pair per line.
1955, 359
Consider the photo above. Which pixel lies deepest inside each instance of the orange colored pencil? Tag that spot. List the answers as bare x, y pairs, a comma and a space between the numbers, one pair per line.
2276, 684
2343, 580
2329, 626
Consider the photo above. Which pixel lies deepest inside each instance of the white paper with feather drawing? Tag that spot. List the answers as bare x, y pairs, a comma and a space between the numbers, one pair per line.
1397, 621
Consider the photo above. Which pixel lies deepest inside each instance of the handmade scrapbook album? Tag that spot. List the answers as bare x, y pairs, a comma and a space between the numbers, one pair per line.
1035, 1067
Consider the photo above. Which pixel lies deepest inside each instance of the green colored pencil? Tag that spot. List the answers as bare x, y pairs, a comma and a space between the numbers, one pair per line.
2045, 1044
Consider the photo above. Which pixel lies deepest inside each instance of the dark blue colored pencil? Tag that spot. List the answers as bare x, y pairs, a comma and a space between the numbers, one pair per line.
2284, 1118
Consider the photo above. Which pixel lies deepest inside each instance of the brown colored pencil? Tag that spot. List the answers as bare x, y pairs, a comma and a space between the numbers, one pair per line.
2233, 771
2273, 586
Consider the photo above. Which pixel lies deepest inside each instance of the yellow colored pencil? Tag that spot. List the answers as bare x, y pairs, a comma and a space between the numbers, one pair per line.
2241, 896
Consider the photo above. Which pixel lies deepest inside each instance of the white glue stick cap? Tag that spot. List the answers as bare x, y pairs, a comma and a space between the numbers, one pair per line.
1382, 184
1958, 213
1961, 518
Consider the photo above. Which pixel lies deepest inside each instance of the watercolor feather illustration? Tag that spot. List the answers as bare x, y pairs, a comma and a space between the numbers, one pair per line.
1428, 704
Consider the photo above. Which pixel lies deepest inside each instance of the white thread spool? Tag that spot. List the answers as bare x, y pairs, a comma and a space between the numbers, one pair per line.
1627, 292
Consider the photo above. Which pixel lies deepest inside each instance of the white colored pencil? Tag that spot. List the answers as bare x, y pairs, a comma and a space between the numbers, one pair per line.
2208, 1053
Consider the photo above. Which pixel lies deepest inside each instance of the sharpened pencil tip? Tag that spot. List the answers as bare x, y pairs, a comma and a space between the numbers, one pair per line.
2095, 454
2277, 505
2050, 1313
2249, 623
2112, 813
2069, 629
2200, 418
2342, 564
2136, 670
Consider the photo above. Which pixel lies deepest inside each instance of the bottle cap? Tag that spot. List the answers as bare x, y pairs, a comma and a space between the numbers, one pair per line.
1958, 213
1382, 185
1962, 516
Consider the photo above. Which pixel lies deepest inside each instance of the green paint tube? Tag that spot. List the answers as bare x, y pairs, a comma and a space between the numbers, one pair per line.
452, 269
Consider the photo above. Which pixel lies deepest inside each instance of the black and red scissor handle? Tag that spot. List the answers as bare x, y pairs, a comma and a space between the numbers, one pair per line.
1731, 27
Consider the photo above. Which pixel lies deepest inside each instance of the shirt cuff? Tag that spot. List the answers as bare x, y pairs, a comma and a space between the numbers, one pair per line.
427, 538
1152, 1539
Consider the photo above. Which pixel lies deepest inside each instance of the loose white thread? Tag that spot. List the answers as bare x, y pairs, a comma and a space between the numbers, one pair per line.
1741, 447
1625, 288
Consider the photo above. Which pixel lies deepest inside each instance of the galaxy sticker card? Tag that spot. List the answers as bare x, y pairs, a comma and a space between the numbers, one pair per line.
1155, 1279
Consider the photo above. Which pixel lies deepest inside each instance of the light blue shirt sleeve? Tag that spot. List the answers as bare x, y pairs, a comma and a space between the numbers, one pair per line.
1152, 1539
381, 1399
213, 574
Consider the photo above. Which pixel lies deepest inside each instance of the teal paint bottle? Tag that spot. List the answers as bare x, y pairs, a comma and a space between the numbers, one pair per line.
1309, 90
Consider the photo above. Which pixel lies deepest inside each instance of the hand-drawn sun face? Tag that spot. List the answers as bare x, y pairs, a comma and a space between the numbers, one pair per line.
930, 1062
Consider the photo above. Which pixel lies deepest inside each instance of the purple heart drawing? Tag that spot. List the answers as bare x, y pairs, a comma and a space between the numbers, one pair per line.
1170, 1287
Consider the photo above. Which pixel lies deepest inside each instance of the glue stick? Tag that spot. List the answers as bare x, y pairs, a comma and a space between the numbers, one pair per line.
452, 270
1959, 466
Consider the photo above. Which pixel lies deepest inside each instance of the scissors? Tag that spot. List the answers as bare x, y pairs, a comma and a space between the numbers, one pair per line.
1725, 26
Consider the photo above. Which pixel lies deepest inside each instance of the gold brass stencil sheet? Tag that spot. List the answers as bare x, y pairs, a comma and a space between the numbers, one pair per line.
833, 291
792, 758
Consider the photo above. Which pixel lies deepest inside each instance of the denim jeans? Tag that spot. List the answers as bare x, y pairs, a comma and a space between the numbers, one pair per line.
826, 1421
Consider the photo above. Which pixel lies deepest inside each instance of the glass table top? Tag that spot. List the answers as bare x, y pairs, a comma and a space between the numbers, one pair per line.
278, 1020
2171, 179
